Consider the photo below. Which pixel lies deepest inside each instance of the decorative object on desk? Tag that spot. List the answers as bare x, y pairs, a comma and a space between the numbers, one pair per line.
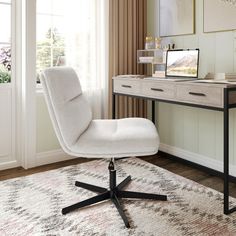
165, 48
31, 206
219, 15
209, 76
219, 76
158, 43
149, 43
227, 77
215, 76
177, 17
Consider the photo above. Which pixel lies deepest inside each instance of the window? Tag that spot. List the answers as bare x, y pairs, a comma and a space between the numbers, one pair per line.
73, 33
5, 41
67, 35
50, 36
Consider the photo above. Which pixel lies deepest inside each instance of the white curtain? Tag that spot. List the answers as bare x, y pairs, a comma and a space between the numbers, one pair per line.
86, 33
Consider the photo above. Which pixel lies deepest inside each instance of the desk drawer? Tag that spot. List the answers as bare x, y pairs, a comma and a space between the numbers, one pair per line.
158, 90
127, 86
201, 95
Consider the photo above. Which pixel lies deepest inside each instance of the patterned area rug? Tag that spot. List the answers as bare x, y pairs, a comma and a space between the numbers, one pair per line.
32, 205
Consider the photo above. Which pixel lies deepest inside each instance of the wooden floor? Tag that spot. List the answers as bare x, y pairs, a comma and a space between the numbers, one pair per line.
161, 160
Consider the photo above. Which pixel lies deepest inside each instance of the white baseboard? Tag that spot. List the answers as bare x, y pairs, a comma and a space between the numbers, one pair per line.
8, 165
196, 158
52, 156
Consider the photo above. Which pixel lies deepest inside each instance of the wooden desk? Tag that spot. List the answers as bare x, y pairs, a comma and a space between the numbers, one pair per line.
219, 97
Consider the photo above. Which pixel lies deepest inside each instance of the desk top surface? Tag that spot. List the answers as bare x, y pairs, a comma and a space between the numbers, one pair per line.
179, 81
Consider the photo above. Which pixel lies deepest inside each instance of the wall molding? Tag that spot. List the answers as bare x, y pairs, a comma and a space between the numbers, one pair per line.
9, 165
42, 158
52, 156
196, 158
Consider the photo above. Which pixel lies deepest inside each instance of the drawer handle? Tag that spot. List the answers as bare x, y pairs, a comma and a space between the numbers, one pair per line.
198, 94
157, 89
126, 86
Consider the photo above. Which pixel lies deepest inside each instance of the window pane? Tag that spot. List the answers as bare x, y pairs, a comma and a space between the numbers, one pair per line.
51, 7
5, 1
44, 24
58, 7
5, 63
5, 41
5, 23
58, 56
50, 33
44, 6
58, 25
62, 25
44, 58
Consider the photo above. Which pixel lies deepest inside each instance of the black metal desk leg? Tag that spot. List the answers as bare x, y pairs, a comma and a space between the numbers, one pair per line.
226, 153
113, 106
153, 112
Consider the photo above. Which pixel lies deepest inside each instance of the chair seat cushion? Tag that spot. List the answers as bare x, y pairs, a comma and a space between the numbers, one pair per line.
118, 138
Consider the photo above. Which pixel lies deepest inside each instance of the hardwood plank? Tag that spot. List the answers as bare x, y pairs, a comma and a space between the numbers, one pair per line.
161, 160
192, 173
19, 171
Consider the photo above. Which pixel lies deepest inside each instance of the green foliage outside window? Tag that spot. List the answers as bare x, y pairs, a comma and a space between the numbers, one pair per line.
49, 50
5, 65
5, 76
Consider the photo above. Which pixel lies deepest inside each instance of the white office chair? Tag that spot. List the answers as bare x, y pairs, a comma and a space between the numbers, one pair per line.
81, 136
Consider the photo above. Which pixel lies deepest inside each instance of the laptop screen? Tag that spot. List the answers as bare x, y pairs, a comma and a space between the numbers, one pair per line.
182, 63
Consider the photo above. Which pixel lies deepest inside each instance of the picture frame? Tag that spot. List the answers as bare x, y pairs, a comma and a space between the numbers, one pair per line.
176, 17
218, 15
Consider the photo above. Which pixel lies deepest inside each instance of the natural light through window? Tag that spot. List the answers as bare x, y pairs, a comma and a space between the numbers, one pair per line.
5, 41
64, 35
74, 33
50, 34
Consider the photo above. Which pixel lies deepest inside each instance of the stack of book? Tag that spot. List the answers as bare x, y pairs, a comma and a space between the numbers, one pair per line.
230, 76
159, 74
146, 59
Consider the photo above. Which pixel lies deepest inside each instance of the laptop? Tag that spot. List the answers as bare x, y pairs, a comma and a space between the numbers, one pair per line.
182, 65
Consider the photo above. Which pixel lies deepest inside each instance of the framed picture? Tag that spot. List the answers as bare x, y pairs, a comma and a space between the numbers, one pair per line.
219, 15
177, 17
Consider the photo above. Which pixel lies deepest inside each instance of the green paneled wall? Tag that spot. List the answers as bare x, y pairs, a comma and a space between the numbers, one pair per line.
196, 130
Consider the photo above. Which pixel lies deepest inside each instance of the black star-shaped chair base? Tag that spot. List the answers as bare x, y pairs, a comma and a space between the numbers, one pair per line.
114, 194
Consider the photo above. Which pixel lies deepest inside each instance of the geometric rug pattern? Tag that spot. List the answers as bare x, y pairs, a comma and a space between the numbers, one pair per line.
32, 205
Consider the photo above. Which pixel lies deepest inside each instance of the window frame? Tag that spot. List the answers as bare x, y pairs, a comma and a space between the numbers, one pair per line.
51, 47
12, 42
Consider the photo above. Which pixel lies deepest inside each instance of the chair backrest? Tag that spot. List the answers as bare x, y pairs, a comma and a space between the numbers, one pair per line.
69, 110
